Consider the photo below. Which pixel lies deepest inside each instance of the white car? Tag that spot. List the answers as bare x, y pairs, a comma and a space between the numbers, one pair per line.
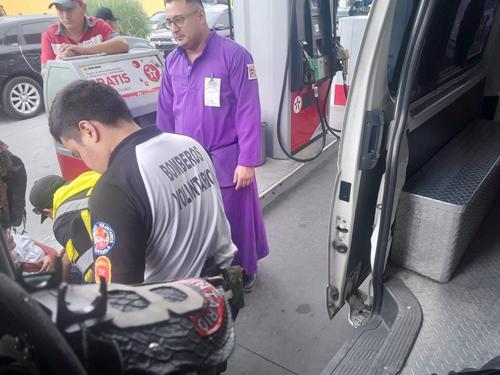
157, 19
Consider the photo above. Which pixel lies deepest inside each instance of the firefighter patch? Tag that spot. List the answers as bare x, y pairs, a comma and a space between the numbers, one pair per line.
252, 72
102, 269
104, 238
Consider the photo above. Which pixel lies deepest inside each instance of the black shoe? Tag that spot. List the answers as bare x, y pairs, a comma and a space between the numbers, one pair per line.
249, 282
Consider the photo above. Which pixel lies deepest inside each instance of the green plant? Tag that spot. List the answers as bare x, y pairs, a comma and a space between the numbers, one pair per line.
133, 19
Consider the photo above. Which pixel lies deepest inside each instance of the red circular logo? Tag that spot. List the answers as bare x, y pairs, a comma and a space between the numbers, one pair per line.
210, 317
152, 72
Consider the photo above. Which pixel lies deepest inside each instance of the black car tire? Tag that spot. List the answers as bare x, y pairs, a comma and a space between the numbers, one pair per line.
21, 315
22, 98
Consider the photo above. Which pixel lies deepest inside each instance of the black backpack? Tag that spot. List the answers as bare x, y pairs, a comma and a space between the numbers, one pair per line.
13, 181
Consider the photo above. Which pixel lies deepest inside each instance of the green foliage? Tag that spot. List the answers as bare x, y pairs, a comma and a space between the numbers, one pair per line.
133, 19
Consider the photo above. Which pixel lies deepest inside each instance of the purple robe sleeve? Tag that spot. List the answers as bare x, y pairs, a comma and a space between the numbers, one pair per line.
248, 118
164, 111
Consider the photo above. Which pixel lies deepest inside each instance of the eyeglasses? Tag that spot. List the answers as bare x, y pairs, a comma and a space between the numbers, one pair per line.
37, 211
178, 20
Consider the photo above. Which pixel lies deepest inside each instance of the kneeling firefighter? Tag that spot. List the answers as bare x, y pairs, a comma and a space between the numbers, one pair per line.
67, 203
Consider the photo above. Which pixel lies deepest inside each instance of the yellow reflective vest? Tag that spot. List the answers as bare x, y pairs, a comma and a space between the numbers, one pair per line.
72, 221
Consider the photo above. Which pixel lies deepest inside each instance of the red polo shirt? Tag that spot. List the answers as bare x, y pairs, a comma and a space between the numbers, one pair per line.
96, 31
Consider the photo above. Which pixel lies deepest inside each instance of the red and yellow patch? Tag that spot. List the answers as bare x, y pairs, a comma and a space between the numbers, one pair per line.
102, 269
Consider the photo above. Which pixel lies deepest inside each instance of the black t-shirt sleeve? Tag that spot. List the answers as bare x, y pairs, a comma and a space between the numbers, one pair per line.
119, 236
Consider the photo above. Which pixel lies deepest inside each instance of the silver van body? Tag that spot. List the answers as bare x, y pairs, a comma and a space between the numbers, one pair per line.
418, 175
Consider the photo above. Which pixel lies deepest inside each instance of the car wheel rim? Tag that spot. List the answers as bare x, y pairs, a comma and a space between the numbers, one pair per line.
25, 98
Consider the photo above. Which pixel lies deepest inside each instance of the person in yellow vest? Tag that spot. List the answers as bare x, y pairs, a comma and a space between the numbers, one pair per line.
67, 203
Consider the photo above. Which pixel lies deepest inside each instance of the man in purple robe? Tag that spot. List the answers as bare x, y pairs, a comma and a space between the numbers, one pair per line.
210, 92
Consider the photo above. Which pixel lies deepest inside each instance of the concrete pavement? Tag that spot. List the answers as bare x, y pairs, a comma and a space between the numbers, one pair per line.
31, 141
285, 329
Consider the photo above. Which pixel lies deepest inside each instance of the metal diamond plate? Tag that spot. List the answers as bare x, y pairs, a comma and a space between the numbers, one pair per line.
461, 327
444, 203
381, 346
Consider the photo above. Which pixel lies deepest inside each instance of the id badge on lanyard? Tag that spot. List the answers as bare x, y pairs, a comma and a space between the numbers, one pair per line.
212, 92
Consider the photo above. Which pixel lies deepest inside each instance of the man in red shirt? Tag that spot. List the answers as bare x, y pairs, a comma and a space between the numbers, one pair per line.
77, 34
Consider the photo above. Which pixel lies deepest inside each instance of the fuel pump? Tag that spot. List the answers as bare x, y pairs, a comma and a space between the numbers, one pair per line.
296, 54
312, 49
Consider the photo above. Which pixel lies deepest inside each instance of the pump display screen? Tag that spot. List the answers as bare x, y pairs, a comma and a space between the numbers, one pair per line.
131, 77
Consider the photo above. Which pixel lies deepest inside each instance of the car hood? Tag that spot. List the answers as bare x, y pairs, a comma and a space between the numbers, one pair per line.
161, 34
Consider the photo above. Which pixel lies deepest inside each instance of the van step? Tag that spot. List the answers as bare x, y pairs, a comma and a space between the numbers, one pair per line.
383, 344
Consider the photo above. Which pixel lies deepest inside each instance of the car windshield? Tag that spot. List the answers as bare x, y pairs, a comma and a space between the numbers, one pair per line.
158, 17
212, 18
209, 5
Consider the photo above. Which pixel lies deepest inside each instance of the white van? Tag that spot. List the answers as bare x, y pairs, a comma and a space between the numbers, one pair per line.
418, 179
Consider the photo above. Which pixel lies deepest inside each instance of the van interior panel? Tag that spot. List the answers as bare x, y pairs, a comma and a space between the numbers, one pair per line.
426, 140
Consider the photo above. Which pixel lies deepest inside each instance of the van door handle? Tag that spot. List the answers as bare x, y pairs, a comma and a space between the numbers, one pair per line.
372, 139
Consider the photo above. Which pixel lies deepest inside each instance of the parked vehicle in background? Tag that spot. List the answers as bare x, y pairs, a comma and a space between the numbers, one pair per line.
163, 40
157, 20
217, 19
20, 50
342, 12
360, 8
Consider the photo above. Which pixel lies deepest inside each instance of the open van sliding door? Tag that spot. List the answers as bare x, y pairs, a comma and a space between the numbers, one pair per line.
441, 71
371, 172
364, 164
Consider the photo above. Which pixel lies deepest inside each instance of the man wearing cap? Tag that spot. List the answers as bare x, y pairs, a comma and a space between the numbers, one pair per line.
107, 15
77, 34
67, 203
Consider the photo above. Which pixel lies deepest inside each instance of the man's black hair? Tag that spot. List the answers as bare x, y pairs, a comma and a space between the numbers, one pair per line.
198, 2
85, 100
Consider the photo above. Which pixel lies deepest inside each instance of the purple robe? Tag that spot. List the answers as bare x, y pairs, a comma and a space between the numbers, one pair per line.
231, 132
